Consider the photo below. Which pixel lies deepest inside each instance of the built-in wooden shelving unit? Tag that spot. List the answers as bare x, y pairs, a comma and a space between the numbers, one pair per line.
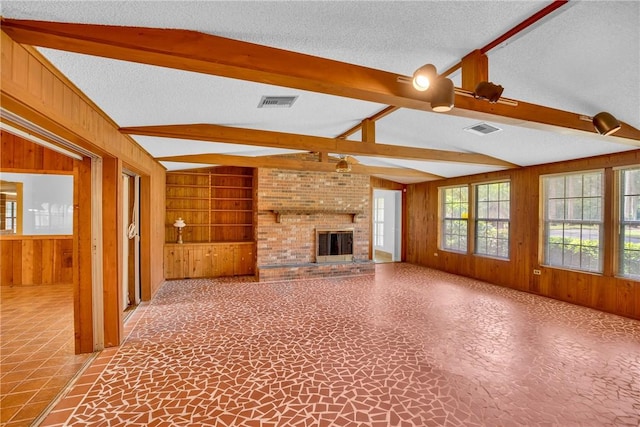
217, 207
215, 203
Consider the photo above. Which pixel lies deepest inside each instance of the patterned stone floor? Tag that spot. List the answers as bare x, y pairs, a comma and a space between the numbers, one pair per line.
408, 347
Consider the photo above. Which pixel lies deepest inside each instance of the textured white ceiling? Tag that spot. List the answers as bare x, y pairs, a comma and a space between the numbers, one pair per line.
583, 58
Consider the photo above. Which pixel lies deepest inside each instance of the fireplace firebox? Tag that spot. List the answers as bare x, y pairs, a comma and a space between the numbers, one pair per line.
334, 245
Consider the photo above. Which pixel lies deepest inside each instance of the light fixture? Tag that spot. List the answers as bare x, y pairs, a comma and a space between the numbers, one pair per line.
423, 77
488, 91
179, 225
343, 165
442, 95
605, 123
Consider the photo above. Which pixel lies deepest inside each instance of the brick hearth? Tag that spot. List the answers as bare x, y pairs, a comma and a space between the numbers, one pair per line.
292, 204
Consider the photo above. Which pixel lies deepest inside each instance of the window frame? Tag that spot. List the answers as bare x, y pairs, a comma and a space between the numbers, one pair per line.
477, 218
378, 223
546, 221
443, 219
622, 223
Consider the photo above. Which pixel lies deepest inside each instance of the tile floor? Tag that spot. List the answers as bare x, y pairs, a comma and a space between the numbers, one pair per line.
407, 347
37, 357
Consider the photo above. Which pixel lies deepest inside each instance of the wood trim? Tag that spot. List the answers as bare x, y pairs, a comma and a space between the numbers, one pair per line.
112, 263
82, 257
204, 53
36, 237
234, 135
20, 208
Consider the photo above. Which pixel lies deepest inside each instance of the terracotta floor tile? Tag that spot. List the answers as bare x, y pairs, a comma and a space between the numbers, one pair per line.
410, 346
34, 321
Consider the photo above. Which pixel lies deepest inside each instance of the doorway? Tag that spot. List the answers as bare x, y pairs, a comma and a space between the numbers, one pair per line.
130, 241
387, 225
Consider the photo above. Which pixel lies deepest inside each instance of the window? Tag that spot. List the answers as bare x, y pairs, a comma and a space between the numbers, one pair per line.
629, 264
573, 220
492, 219
378, 221
11, 216
455, 212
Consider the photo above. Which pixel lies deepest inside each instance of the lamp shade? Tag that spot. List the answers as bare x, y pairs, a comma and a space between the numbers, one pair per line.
423, 77
179, 223
488, 91
605, 123
343, 166
442, 95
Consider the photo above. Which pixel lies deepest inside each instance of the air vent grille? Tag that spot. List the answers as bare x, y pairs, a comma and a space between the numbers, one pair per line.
277, 101
482, 129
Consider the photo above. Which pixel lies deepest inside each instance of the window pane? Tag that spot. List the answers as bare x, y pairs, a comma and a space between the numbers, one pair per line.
592, 185
629, 262
555, 187
574, 209
631, 208
574, 185
592, 209
555, 209
482, 193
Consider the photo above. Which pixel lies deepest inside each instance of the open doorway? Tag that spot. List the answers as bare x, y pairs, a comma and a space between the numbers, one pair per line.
39, 204
387, 225
130, 241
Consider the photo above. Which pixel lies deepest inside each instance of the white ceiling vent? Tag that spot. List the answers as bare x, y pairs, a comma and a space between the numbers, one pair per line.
277, 101
482, 129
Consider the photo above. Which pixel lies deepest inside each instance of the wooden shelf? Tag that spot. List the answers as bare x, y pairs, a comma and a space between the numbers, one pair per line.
281, 212
216, 204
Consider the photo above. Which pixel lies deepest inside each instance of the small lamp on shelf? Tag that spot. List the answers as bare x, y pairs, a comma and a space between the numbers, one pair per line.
179, 225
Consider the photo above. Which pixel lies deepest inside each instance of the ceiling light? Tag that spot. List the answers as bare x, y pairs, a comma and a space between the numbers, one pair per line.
343, 166
605, 123
423, 77
488, 91
442, 95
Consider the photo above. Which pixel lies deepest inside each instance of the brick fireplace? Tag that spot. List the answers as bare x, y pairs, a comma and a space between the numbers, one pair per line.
293, 206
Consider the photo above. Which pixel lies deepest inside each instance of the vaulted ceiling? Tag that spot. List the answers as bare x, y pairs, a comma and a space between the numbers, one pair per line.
187, 86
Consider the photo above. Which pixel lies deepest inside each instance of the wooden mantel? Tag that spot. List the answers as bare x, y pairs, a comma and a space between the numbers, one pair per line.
280, 212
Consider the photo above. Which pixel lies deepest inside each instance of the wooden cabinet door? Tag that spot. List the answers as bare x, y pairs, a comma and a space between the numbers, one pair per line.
199, 262
243, 260
174, 262
223, 260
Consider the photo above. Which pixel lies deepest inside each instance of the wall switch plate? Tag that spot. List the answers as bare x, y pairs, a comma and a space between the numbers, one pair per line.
435, 254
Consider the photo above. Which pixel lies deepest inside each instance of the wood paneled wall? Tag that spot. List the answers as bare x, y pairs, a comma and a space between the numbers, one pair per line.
600, 291
21, 155
36, 260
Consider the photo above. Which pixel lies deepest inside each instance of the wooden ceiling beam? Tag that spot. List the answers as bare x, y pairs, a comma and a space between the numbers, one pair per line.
368, 131
475, 69
204, 53
233, 135
295, 164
